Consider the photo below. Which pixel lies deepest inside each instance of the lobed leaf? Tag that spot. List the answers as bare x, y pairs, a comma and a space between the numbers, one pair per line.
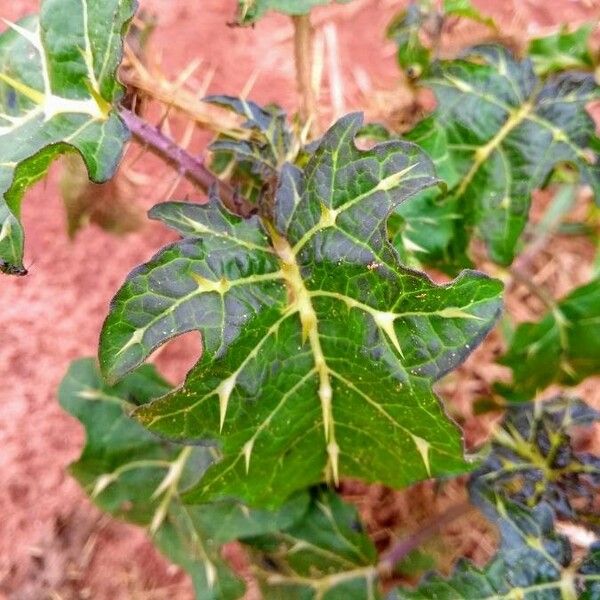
498, 133
533, 563
319, 347
250, 11
135, 476
532, 459
564, 347
324, 556
562, 50
58, 87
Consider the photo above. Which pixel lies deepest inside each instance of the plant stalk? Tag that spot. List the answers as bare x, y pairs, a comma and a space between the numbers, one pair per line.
404, 546
191, 167
303, 56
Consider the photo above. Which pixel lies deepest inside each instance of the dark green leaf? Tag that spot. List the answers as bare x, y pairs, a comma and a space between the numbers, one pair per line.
319, 347
250, 11
564, 347
325, 556
532, 460
132, 474
57, 91
252, 164
533, 563
562, 50
497, 134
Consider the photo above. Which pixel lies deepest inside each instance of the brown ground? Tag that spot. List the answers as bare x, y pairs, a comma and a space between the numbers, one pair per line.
53, 543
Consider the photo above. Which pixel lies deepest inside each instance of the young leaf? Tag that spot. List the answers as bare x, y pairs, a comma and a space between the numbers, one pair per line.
531, 458
133, 475
57, 91
250, 11
500, 132
413, 56
533, 563
319, 347
323, 556
562, 50
252, 163
564, 347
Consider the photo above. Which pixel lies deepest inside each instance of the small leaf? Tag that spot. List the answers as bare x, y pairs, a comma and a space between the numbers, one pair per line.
132, 474
562, 50
57, 90
326, 555
251, 164
319, 347
564, 347
413, 55
250, 11
532, 460
497, 135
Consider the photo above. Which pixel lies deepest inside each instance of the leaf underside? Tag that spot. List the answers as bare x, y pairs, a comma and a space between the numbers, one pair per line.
563, 347
497, 134
319, 347
57, 89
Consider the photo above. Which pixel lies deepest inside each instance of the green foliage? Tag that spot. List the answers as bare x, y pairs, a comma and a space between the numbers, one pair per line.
532, 473
250, 11
325, 555
532, 459
417, 31
497, 134
320, 347
252, 164
533, 563
562, 50
405, 30
305, 314
564, 347
57, 90
137, 477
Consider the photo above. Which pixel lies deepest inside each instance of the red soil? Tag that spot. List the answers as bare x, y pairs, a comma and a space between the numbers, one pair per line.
53, 542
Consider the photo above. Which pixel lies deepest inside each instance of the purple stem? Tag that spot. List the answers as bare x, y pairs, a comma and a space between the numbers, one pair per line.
191, 167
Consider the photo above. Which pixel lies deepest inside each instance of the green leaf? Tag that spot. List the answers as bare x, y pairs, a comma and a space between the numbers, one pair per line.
562, 50
252, 164
532, 459
250, 11
466, 10
564, 347
497, 135
135, 476
57, 89
325, 556
405, 29
533, 563
319, 347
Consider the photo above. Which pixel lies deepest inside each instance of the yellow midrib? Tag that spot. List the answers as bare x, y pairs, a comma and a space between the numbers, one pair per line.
300, 300
484, 152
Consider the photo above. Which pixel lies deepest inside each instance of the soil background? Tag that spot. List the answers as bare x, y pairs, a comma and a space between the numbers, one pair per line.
53, 542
